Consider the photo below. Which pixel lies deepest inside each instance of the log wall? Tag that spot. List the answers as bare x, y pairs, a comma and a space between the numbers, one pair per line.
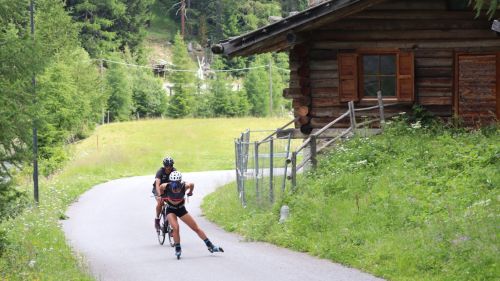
426, 27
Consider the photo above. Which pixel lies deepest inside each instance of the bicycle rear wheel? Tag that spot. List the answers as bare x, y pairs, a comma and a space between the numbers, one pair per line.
161, 232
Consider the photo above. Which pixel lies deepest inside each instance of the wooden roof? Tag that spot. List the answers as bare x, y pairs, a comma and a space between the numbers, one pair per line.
291, 30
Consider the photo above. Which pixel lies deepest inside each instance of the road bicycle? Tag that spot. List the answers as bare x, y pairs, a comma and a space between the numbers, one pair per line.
165, 228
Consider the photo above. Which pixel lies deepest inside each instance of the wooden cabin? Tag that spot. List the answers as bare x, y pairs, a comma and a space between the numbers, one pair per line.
434, 53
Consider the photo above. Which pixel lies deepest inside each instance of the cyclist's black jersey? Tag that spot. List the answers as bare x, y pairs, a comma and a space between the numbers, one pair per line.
175, 192
163, 176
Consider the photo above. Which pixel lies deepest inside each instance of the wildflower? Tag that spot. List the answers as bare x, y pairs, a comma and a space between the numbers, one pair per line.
362, 162
416, 125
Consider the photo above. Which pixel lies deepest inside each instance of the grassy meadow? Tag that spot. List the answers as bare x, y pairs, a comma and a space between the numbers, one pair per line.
416, 203
36, 248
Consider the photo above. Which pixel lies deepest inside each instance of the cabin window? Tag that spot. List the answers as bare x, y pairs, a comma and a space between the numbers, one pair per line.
362, 74
379, 74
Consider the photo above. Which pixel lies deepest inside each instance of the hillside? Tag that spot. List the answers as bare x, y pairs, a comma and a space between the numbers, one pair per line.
416, 203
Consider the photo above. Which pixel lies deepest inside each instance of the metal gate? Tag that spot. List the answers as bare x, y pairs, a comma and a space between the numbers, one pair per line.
261, 166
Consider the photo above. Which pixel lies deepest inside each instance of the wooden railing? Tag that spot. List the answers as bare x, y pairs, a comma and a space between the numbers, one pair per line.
312, 143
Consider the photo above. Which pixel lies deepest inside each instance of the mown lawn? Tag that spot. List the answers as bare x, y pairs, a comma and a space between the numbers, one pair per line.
35, 246
416, 203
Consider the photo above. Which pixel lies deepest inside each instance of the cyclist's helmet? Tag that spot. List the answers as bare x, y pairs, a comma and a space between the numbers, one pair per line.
168, 161
175, 176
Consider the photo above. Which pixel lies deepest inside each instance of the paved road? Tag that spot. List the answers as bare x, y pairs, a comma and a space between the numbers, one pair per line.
111, 226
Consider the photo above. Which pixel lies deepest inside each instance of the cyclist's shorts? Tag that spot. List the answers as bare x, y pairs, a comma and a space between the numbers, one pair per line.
179, 212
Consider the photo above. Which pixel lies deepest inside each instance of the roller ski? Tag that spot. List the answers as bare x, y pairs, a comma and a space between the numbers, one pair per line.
214, 249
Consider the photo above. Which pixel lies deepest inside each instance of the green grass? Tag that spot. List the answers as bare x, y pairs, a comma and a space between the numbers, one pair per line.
412, 204
37, 248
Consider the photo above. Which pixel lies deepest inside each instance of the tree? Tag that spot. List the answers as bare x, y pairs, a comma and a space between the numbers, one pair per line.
223, 100
107, 26
180, 104
68, 95
149, 98
119, 90
257, 84
17, 56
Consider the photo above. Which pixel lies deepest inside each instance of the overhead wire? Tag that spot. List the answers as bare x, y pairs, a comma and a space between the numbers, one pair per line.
190, 70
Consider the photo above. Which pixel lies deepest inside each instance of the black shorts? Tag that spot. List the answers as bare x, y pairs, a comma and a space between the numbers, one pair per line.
179, 212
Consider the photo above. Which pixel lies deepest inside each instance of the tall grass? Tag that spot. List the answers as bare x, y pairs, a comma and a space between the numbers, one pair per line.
415, 203
35, 245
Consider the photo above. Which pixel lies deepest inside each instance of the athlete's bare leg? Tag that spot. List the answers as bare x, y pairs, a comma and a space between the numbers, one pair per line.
188, 219
172, 220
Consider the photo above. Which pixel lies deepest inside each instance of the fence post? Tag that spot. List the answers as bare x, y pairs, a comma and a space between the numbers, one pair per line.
294, 170
283, 186
381, 108
271, 172
352, 116
256, 167
237, 162
313, 151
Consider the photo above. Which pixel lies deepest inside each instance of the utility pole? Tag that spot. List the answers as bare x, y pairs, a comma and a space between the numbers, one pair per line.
35, 132
270, 87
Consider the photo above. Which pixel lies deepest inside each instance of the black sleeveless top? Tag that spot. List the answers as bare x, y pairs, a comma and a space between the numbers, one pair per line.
163, 176
175, 191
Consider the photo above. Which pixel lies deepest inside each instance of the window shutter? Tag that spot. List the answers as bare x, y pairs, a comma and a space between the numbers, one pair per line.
406, 84
348, 76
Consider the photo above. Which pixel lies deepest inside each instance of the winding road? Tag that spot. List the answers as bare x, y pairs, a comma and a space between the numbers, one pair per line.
111, 227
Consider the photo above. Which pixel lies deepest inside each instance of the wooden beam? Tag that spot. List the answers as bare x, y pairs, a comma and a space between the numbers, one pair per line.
407, 44
415, 15
409, 34
407, 24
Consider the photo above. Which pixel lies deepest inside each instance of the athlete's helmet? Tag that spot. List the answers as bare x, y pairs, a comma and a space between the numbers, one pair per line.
175, 176
168, 161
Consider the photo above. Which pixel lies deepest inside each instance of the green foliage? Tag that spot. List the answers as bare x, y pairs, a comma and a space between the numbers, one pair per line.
119, 90
257, 85
149, 98
106, 26
479, 5
288, 6
223, 100
181, 103
416, 203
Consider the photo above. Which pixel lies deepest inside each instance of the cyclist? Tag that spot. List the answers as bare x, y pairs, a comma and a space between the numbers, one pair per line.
161, 178
175, 191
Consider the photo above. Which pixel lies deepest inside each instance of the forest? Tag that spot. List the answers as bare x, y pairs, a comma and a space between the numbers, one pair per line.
80, 63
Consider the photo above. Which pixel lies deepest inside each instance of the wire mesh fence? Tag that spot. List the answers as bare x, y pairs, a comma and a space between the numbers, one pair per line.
261, 169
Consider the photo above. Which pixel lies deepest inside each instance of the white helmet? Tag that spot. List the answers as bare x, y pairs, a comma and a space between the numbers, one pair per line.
175, 176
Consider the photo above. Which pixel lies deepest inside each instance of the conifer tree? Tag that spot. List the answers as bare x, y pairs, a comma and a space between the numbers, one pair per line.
181, 103
119, 91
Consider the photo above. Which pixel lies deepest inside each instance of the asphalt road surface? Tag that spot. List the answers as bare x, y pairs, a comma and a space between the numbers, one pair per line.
111, 227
